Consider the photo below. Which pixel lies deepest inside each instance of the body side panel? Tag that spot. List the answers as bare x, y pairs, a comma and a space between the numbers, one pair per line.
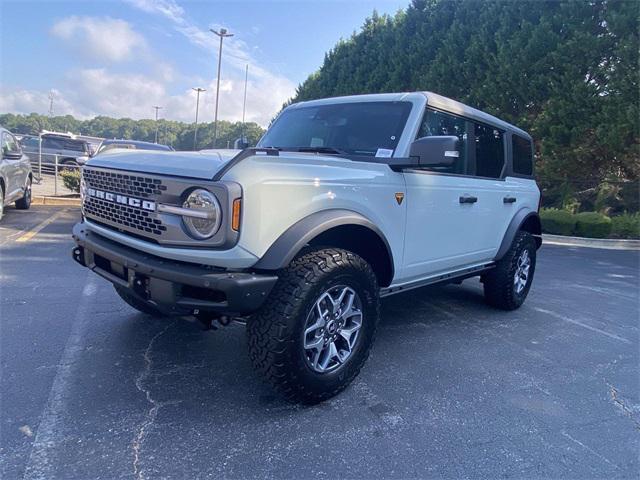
280, 191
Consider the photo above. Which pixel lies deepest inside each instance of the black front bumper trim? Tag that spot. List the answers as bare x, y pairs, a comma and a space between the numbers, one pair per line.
173, 287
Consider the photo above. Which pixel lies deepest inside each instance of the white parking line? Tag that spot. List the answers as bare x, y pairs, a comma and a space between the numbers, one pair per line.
580, 324
50, 432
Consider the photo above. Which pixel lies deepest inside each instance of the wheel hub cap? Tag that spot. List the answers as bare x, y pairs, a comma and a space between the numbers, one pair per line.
521, 275
332, 329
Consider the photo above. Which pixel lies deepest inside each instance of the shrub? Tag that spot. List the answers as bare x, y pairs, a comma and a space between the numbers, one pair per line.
557, 222
71, 179
626, 225
592, 225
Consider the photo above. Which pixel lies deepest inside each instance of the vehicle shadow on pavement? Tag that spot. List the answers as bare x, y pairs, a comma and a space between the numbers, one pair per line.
202, 371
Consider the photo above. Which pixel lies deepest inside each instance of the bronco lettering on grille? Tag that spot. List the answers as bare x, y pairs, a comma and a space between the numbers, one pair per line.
122, 199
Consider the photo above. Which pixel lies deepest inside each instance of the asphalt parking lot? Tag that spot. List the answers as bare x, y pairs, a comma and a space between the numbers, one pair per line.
92, 389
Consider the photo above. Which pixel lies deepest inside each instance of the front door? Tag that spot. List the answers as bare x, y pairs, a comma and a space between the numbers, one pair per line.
452, 218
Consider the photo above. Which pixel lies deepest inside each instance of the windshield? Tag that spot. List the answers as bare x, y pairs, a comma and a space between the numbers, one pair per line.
364, 128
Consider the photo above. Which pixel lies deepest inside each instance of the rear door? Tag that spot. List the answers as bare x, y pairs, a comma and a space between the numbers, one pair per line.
497, 202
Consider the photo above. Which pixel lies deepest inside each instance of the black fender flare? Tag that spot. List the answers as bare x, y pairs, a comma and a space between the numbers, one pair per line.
518, 220
291, 242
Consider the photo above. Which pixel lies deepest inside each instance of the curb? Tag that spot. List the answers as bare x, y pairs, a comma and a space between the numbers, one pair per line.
61, 201
607, 243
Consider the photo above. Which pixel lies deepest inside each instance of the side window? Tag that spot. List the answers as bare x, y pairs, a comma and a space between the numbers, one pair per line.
9, 144
74, 146
522, 156
48, 142
438, 123
489, 151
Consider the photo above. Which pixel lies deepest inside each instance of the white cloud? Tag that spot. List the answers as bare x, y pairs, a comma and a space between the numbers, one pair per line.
101, 38
267, 90
30, 101
97, 91
87, 92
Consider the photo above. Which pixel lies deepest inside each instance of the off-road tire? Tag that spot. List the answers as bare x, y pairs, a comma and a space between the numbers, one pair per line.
25, 202
275, 333
499, 288
136, 303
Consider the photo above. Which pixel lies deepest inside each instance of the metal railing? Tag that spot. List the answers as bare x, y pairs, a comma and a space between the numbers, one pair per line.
53, 169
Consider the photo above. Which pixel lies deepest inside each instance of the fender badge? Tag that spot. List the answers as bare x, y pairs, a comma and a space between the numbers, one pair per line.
399, 197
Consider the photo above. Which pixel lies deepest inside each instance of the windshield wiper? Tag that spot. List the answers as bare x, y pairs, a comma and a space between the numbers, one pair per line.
329, 150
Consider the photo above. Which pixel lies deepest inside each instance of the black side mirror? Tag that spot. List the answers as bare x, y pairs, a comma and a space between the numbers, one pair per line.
437, 151
12, 155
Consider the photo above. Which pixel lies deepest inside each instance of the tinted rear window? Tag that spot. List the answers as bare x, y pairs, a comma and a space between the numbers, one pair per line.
522, 156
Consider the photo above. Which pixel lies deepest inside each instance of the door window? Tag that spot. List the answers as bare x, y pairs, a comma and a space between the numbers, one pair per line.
9, 144
522, 156
437, 123
489, 151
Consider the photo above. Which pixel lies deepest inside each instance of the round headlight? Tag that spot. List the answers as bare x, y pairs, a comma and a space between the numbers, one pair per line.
207, 215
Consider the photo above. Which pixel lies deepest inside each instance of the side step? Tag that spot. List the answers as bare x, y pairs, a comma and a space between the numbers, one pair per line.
455, 276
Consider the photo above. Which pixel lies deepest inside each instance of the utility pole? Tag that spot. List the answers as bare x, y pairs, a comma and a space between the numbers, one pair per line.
51, 97
157, 108
244, 103
222, 34
195, 133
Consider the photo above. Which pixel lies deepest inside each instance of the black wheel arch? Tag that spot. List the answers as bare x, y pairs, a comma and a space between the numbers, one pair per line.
338, 228
526, 220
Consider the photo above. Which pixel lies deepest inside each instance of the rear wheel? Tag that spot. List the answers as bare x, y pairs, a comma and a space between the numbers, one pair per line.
314, 333
135, 302
25, 202
507, 285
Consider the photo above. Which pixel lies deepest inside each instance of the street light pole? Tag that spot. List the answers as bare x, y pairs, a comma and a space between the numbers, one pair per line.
244, 103
195, 133
222, 34
157, 108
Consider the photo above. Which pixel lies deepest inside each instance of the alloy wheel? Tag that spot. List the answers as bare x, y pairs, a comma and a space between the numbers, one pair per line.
521, 275
332, 329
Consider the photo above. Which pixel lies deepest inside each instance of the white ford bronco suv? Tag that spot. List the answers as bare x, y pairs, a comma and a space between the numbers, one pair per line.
343, 201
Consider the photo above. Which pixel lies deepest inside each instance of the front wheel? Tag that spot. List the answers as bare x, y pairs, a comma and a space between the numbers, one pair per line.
25, 202
507, 285
314, 333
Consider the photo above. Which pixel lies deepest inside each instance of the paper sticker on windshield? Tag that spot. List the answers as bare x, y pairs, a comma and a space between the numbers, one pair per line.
384, 153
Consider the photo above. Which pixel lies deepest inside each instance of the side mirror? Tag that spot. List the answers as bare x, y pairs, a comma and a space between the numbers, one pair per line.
12, 155
436, 151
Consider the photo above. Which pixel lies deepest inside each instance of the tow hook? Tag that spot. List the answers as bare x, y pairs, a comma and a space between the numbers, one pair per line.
209, 320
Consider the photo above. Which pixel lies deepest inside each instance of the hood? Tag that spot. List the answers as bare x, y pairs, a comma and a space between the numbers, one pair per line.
201, 165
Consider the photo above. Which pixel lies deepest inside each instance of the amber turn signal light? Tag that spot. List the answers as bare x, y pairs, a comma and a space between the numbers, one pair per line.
235, 218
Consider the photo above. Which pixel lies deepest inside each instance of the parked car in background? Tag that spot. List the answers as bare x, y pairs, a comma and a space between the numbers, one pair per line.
70, 151
15, 173
116, 144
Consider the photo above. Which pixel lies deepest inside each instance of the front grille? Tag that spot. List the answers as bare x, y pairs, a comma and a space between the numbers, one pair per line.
122, 216
142, 187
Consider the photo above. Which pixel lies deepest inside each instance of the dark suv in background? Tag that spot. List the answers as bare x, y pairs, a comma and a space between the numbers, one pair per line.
70, 150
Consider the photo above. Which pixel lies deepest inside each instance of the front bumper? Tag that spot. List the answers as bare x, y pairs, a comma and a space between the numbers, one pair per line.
174, 287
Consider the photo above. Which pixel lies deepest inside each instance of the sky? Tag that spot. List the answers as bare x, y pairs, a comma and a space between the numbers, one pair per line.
119, 58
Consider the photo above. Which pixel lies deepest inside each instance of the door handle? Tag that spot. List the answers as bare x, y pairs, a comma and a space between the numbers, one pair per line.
468, 199
509, 200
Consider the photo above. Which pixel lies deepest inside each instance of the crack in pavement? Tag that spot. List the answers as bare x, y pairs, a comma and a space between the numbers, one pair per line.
152, 414
618, 402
